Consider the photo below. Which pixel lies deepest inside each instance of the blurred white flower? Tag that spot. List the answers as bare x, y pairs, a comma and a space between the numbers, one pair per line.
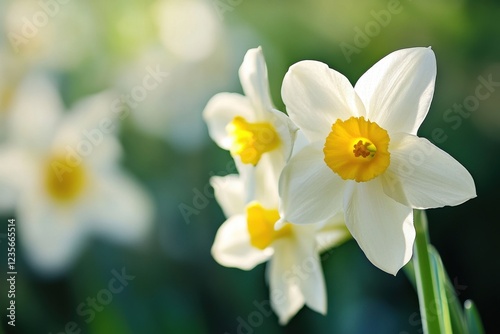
10, 74
61, 172
189, 29
49, 33
200, 60
365, 158
249, 236
171, 109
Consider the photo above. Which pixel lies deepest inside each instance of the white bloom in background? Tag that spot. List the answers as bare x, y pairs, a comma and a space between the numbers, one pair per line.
49, 34
249, 126
189, 29
365, 158
62, 170
198, 55
249, 237
165, 97
10, 73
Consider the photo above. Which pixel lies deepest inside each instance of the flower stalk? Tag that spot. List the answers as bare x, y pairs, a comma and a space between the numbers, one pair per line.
424, 276
440, 308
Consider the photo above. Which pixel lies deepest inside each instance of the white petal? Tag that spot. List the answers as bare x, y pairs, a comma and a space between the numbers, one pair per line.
88, 133
18, 170
221, 110
253, 77
300, 142
261, 181
286, 129
316, 96
313, 286
36, 111
397, 91
310, 191
423, 176
285, 290
119, 208
296, 274
52, 238
382, 227
230, 193
91, 114
265, 180
312, 281
104, 155
332, 232
232, 246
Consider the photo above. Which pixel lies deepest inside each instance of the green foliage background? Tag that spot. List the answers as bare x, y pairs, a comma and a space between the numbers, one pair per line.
179, 288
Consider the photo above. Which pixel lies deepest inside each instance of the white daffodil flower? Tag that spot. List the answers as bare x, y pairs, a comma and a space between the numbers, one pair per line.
62, 176
249, 237
249, 126
365, 158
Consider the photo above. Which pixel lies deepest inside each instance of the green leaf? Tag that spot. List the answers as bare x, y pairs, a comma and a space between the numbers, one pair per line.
457, 318
439, 283
424, 276
474, 322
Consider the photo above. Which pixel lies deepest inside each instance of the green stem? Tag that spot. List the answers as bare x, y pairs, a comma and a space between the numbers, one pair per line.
439, 280
457, 317
423, 274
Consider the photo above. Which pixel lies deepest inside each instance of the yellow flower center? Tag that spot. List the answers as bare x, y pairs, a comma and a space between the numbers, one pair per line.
62, 182
260, 224
357, 149
251, 140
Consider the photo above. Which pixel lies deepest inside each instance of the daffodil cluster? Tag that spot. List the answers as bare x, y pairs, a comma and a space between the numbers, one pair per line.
347, 161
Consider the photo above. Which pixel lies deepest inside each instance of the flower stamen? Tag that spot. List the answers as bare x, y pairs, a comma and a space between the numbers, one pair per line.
364, 149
